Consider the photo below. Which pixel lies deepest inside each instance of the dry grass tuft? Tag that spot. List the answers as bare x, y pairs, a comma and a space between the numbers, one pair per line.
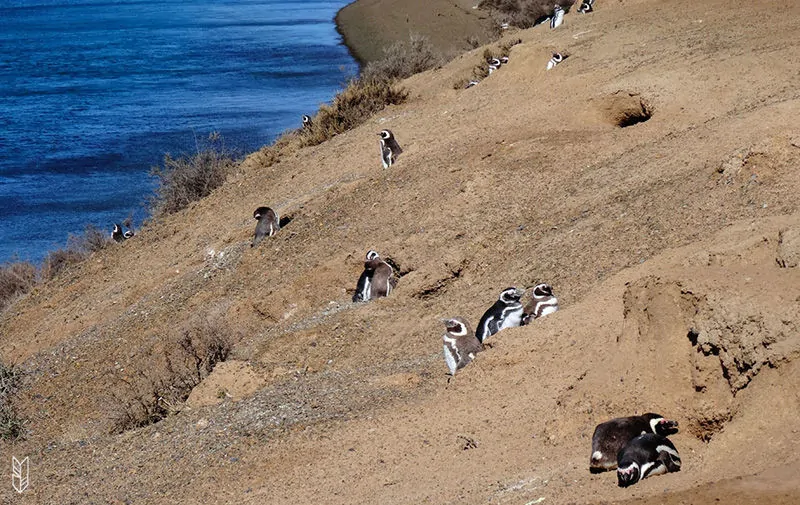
403, 59
158, 392
189, 178
522, 13
481, 70
16, 279
12, 427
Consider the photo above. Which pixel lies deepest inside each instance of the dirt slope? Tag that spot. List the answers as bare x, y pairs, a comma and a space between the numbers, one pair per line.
672, 244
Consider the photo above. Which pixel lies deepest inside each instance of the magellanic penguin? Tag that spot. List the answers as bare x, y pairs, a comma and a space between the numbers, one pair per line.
388, 140
387, 158
504, 60
128, 234
492, 68
612, 436
117, 234
268, 224
644, 456
558, 17
586, 6
506, 312
306, 121
542, 303
555, 60
460, 344
471, 84
376, 281
494, 62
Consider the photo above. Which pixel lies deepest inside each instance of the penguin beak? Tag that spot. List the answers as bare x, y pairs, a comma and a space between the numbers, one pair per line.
520, 292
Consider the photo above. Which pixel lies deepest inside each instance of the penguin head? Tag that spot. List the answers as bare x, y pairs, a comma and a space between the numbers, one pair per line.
372, 255
661, 426
456, 326
306, 119
542, 290
386, 134
557, 57
260, 212
128, 234
504, 60
511, 295
117, 229
627, 474
493, 61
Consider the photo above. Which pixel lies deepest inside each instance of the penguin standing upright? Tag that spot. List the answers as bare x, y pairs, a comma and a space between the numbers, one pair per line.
644, 456
460, 344
542, 303
394, 150
558, 17
376, 281
612, 436
506, 312
268, 224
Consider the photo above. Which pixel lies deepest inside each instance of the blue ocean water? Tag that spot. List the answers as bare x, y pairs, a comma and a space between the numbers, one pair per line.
94, 92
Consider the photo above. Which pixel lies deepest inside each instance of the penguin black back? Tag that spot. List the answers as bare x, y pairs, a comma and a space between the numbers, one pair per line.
506, 312
117, 234
645, 456
268, 224
612, 436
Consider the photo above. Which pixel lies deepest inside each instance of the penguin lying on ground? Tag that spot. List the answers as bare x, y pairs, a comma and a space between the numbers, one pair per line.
460, 344
645, 456
506, 312
612, 436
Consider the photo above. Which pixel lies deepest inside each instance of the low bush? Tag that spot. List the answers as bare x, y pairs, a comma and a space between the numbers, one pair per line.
403, 59
522, 13
12, 427
16, 279
189, 178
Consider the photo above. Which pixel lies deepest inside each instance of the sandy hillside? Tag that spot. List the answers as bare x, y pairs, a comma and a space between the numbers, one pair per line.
673, 246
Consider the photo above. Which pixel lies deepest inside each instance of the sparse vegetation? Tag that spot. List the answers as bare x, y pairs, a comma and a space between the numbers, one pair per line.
522, 13
78, 248
16, 279
481, 70
403, 59
160, 391
188, 178
12, 427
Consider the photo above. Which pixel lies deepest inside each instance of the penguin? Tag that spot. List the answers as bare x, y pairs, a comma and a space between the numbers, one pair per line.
555, 60
542, 303
387, 157
471, 84
492, 68
268, 224
388, 139
586, 6
460, 344
646, 455
506, 312
128, 234
306, 121
117, 234
612, 436
376, 281
494, 62
504, 60
558, 17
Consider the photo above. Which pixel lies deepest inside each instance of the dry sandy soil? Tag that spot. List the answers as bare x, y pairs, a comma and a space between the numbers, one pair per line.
673, 246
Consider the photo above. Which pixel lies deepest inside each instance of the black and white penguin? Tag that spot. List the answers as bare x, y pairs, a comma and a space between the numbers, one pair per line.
471, 84
612, 436
492, 68
117, 234
494, 62
645, 456
387, 157
306, 121
542, 303
555, 60
558, 17
388, 140
506, 312
376, 281
586, 6
460, 344
128, 234
268, 224
504, 60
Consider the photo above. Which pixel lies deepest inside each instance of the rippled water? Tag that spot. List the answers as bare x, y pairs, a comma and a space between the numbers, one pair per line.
93, 93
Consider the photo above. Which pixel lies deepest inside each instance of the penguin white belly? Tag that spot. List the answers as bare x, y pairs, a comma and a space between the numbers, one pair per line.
511, 319
549, 309
450, 359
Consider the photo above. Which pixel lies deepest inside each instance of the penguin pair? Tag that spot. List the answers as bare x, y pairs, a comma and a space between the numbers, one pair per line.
376, 281
555, 60
268, 224
637, 446
118, 235
389, 147
586, 6
557, 18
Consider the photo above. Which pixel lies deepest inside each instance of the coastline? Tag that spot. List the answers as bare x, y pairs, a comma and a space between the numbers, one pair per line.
369, 26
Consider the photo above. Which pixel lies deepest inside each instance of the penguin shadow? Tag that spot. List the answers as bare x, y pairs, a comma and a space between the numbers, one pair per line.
285, 220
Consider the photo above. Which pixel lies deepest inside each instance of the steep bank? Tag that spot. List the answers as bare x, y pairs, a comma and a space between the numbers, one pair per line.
686, 221
369, 26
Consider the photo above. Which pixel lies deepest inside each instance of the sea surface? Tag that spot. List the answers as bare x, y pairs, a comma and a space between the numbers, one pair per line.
93, 93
